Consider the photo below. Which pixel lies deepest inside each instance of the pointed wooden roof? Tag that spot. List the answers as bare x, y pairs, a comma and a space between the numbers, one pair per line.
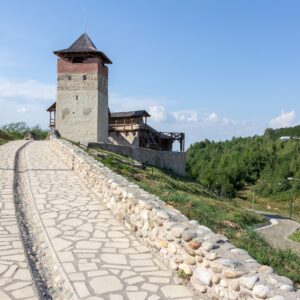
82, 47
52, 107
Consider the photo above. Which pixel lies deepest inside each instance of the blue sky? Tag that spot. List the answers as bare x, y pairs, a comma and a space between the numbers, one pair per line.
213, 69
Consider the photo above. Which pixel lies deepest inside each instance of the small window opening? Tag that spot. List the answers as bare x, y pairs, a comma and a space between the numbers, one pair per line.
69, 77
84, 77
76, 97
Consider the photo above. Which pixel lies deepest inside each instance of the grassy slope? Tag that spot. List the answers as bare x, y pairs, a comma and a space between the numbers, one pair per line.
295, 236
222, 216
277, 204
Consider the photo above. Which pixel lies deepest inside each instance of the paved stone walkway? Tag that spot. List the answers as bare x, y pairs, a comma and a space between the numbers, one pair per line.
277, 233
101, 258
15, 277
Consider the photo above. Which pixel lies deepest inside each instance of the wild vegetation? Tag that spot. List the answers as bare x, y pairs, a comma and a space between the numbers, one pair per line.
17, 131
295, 236
222, 215
264, 162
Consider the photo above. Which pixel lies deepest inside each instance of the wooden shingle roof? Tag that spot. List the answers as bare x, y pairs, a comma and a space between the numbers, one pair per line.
83, 46
129, 114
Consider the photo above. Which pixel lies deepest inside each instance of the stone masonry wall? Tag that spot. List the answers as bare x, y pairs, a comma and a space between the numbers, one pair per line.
82, 101
171, 160
126, 139
218, 269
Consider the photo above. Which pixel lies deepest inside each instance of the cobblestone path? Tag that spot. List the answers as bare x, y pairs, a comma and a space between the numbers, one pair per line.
101, 258
15, 277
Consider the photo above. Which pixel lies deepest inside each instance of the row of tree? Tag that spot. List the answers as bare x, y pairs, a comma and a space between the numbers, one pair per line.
266, 161
15, 131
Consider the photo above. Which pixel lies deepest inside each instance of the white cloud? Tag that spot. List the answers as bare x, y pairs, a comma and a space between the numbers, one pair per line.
25, 101
29, 89
285, 119
213, 118
158, 113
22, 110
185, 116
127, 103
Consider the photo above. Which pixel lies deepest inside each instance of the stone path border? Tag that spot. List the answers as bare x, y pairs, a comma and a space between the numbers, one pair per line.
218, 268
49, 264
24, 230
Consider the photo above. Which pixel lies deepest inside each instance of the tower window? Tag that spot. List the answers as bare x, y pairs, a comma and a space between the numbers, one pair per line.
69, 77
76, 97
84, 77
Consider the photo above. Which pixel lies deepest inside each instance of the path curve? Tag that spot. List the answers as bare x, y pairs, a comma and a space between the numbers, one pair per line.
278, 231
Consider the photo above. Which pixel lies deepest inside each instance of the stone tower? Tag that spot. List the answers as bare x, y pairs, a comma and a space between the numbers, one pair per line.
82, 92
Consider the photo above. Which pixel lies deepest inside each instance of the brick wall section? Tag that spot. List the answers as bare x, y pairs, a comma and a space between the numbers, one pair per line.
92, 65
218, 269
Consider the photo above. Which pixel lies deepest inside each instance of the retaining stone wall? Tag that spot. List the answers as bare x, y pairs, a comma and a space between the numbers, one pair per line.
217, 268
170, 160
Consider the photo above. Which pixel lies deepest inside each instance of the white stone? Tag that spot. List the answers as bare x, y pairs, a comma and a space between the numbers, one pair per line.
4, 296
248, 281
22, 274
287, 287
162, 214
114, 258
3, 268
66, 256
88, 245
115, 234
87, 266
22, 293
105, 284
175, 291
261, 291
277, 297
60, 244
137, 295
203, 275
72, 222
150, 287
81, 289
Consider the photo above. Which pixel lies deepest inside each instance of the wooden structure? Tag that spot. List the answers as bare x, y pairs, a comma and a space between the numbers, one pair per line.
52, 111
135, 122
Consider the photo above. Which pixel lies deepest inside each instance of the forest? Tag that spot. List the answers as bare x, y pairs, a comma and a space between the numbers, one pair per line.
265, 162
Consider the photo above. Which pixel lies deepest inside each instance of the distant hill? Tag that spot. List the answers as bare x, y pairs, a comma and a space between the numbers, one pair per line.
266, 161
287, 131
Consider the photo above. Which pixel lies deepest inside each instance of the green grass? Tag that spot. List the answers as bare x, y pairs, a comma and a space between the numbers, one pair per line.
224, 216
295, 236
284, 262
277, 204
